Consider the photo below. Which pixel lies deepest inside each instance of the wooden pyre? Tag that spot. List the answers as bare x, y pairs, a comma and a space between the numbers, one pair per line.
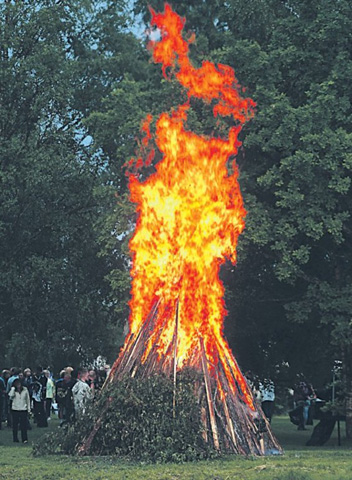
230, 426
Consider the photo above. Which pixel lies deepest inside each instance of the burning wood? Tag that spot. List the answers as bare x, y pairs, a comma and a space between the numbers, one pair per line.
190, 214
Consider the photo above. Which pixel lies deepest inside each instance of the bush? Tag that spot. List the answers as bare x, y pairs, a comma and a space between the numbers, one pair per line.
137, 422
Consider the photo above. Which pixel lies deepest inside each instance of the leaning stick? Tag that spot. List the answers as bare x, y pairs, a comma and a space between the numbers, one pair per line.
175, 360
222, 379
143, 329
230, 424
152, 357
214, 429
84, 448
128, 350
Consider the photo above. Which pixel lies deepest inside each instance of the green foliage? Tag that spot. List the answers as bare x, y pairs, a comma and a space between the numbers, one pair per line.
138, 422
57, 61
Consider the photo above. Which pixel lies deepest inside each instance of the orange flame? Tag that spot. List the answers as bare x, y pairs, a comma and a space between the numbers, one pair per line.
190, 213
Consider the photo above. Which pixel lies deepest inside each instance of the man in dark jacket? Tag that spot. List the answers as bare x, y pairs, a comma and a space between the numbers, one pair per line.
64, 397
38, 396
303, 396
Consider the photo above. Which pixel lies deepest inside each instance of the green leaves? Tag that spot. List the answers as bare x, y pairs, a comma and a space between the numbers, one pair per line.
54, 285
138, 423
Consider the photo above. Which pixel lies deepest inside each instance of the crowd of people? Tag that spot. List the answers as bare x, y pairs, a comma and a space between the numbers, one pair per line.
303, 399
27, 393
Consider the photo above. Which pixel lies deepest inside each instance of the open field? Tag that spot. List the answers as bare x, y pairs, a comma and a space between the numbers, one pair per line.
299, 462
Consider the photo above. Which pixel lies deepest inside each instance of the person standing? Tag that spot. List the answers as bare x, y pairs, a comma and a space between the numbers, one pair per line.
50, 391
303, 396
38, 397
28, 380
2, 398
101, 378
267, 397
64, 397
28, 383
60, 396
20, 407
92, 380
81, 392
14, 374
5, 375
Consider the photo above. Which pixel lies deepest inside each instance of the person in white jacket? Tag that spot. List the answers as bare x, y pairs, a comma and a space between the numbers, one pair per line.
21, 406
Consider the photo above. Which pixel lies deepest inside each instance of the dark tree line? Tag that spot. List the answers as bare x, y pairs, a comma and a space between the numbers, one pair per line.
74, 86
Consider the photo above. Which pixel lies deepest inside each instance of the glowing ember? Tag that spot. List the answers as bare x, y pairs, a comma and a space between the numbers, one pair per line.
190, 213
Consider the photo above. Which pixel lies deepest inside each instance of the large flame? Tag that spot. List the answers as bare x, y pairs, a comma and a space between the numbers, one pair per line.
190, 213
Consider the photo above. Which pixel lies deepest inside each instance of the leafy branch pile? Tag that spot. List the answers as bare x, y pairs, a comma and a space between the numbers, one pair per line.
137, 423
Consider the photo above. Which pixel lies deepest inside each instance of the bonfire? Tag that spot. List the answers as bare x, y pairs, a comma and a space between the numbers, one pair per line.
190, 214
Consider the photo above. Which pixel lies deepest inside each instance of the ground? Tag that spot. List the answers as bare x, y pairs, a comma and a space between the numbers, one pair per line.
298, 463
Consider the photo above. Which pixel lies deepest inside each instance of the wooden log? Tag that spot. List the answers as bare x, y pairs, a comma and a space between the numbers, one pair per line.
213, 425
199, 393
228, 397
167, 362
268, 430
128, 341
139, 344
230, 426
85, 447
204, 420
175, 360
223, 430
150, 363
120, 366
248, 429
223, 387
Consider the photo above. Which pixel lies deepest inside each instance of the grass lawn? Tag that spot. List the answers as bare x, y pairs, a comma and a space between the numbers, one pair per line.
330, 462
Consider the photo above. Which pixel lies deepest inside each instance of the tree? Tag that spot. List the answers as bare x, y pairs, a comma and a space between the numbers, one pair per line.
56, 303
